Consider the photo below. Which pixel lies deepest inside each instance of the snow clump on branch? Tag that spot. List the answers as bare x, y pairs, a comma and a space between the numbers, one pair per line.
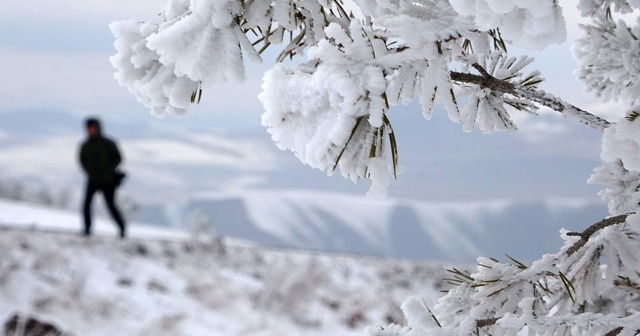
154, 84
409, 45
164, 63
608, 55
331, 114
596, 7
526, 23
622, 142
621, 172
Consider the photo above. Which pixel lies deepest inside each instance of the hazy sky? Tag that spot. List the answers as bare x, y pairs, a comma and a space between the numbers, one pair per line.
55, 55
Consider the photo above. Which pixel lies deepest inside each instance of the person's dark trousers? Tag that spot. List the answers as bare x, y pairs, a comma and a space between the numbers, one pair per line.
108, 190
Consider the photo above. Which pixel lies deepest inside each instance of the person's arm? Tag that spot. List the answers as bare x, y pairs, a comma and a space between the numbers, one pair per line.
116, 156
83, 157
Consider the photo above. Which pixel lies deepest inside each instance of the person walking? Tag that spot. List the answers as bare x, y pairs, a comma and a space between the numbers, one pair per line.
99, 157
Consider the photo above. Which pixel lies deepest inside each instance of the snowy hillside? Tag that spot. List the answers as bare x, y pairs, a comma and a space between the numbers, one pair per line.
176, 286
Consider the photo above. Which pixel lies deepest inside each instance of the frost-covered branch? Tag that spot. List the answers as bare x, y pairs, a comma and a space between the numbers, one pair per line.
557, 104
358, 68
559, 294
531, 94
614, 332
487, 322
485, 82
331, 110
588, 232
608, 55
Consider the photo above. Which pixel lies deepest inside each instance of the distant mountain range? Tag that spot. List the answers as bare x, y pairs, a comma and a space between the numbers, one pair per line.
417, 230
459, 196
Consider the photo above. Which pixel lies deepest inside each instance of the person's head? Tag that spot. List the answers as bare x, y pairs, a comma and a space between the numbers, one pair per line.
93, 127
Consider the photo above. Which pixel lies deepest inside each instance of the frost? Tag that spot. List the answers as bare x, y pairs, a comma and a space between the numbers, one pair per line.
176, 45
621, 187
380, 178
599, 7
541, 298
139, 69
622, 141
331, 109
193, 44
487, 108
621, 172
327, 117
358, 68
421, 23
608, 55
418, 314
531, 24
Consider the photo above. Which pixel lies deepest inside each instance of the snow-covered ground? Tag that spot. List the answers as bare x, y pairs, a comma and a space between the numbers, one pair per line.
166, 283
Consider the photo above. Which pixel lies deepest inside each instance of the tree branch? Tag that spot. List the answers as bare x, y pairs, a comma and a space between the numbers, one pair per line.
614, 332
538, 96
588, 232
486, 322
557, 104
584, 237
481, 70
488, 82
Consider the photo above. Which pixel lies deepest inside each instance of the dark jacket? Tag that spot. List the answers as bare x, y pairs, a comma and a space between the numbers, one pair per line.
99, 157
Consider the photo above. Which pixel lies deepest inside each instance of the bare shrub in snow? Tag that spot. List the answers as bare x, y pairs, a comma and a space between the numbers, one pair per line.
155, 285
129, 205
19, 325
8, 265
12, 190
290, 287
53, 267
165, 326
199, 225
35, 193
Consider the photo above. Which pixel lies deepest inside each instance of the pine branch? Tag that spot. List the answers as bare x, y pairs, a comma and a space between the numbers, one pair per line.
486, 322
557, 104
485, 80
588, 232
584, 238
614, 332
481, 70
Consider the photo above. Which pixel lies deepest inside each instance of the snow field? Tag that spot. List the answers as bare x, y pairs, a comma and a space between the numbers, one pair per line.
105, 286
